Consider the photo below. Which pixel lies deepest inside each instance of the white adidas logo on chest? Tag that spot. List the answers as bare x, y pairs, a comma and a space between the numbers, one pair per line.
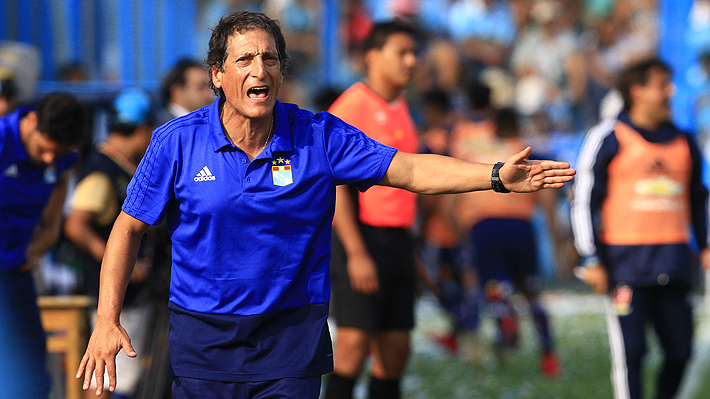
204, 175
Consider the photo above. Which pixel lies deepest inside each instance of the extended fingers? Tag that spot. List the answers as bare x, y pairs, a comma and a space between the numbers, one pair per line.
82, 366
90, 365
556, 181
558, 171
555, 165
111, 369
99, 373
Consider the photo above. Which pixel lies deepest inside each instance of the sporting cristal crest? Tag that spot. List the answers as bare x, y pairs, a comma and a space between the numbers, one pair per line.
281, 172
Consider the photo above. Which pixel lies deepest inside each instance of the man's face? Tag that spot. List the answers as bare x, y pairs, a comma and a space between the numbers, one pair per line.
655, 96
252, 74
43, 150
396, 59
195, 93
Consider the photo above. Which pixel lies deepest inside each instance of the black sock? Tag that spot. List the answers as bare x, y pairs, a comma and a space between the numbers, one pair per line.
339, 387
384, 389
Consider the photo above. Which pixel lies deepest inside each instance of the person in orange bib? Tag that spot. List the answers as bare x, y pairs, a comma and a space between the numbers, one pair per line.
638, 196
375, 286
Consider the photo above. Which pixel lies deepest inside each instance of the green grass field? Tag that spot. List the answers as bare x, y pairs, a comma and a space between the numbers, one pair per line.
579, 328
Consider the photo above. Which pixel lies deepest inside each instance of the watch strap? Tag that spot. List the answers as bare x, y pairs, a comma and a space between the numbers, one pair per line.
496, 184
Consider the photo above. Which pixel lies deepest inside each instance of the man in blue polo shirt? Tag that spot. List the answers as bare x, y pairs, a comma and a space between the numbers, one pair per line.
36, 149
248, 188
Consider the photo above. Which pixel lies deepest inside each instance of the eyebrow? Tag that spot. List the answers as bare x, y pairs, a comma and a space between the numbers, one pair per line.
250, 54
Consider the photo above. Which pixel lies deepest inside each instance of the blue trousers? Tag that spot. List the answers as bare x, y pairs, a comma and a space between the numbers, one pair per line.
668, 310
23, 351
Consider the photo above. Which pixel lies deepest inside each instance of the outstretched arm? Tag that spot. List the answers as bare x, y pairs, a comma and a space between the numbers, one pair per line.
109, 337
436, 174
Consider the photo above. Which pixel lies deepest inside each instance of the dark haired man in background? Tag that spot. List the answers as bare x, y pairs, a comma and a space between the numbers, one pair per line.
184, 90
37, 147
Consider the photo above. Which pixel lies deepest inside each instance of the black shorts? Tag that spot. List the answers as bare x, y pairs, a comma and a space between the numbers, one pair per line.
392, 308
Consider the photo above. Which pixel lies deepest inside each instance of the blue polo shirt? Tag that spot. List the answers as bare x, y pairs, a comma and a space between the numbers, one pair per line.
250, 279
25, 188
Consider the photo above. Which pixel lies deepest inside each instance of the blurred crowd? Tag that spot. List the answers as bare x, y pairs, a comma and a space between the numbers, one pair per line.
554, 62
549, 59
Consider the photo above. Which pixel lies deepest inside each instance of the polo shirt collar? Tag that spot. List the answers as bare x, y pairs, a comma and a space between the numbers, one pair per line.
282, 140
217, 136
664, 132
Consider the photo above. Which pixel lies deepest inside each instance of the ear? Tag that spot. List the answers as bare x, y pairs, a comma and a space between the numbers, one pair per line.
32, 118
216, 77
28, 124
368, 57
634, 92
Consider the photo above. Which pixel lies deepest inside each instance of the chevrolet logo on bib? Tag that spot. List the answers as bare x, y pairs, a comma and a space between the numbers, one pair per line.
282, 175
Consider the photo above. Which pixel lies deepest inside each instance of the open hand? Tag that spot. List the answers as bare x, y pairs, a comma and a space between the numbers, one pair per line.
105, 343
522, 175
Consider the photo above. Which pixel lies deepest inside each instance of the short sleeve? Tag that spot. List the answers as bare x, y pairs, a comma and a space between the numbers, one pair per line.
93, 194
151, 188
354, 158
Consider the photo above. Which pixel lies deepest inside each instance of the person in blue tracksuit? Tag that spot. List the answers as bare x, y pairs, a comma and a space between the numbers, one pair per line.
638, 198
247, 185
37, 147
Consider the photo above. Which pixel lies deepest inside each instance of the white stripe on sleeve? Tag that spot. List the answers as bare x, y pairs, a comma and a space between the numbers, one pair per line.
584, 181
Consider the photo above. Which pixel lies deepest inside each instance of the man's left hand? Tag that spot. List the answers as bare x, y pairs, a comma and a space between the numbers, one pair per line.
522, 175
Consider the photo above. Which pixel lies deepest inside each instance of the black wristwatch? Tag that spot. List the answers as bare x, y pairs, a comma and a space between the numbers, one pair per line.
496, 184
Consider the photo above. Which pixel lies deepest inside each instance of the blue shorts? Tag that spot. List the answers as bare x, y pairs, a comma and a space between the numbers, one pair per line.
284, 388
504, 250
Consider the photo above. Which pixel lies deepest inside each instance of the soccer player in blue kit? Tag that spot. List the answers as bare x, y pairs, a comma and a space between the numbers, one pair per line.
248, 188
36, 151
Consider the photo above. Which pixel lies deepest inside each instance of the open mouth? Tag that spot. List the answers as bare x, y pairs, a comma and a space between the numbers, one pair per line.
258, 93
